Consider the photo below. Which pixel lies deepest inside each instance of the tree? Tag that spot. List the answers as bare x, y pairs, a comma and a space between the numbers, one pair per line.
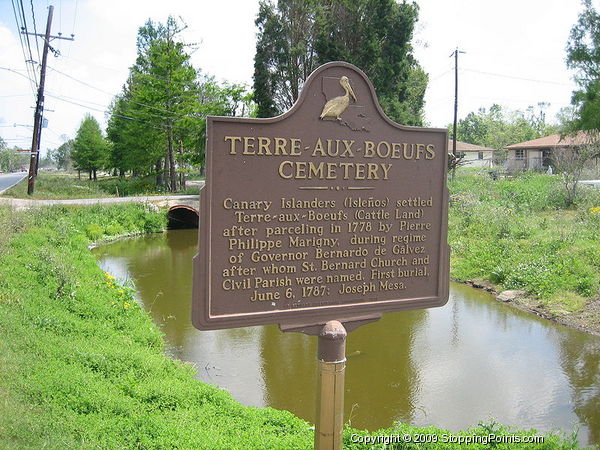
571, 162
583, 56
296, 36
10, 158
285, 54
90, 149
164, 85
496, 128
61, 156
376, 36
156, 121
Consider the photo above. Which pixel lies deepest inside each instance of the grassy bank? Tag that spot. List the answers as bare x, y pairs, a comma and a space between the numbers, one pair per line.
518, 234
82, 366
61, 185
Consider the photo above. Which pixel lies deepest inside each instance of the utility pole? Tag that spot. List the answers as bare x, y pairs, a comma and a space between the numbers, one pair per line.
39, 106
455, 54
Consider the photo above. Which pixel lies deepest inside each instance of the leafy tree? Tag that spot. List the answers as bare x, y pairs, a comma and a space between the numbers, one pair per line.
155, 116
571, 162
285, 54
130, 142
157, 123
295, 36
583, 56
164, 89
90, 149
11, 159
4, 156
218, 100
61, 156
376, 35
496, 128
139, 141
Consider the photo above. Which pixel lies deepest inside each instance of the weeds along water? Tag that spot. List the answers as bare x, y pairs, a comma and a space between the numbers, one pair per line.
520, 234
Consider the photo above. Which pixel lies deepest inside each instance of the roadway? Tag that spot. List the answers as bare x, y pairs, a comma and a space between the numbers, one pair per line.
8, 180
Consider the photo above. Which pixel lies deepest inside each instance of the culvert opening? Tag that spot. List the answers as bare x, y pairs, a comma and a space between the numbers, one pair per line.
182, 217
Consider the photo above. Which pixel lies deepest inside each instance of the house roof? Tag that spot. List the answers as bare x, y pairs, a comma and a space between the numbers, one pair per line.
466, 147
552, 141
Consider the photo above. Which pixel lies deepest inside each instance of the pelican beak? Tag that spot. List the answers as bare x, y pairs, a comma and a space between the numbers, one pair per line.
351, 92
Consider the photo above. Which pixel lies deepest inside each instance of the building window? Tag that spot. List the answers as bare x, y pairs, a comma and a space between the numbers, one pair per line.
479, 155
460, 154
520, 154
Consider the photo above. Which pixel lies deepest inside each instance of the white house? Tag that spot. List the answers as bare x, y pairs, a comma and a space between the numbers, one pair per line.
472, 155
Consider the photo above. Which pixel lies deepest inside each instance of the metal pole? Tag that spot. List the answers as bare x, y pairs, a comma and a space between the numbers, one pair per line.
330, 399
39, 108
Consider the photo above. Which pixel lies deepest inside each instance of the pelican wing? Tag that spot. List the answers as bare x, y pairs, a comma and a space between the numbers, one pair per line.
335, 107
329, 109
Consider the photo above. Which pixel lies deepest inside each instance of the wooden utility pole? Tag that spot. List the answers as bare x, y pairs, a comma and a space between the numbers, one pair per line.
39, 106
455, 54
39, 109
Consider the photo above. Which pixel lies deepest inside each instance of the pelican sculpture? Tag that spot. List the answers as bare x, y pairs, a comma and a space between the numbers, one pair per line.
336, 106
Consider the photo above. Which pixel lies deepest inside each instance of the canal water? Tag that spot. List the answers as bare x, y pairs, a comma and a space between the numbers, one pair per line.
473, 360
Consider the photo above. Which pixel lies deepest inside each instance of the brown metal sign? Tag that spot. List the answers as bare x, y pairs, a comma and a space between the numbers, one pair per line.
328, 212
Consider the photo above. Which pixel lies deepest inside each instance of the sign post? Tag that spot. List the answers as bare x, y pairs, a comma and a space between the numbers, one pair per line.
330, 397
320, 220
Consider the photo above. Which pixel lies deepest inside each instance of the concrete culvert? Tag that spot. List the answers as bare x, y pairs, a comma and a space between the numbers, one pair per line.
180, 217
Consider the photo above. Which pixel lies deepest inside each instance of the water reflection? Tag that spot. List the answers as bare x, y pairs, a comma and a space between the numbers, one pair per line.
474, 359
581, 363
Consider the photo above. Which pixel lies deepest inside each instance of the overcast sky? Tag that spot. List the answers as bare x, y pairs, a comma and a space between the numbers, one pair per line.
515, 53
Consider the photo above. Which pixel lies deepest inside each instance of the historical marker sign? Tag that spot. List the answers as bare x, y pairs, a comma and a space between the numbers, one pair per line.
328, 212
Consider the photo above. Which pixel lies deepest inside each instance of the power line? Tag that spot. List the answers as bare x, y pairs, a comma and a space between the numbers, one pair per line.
62, 99
171, 113
440, 75
147, 75
24, 29
33, 84
81, 82
512, 77
77, 101
35, 30
91, 63
21, 42
74, 19
18, 73
14, 95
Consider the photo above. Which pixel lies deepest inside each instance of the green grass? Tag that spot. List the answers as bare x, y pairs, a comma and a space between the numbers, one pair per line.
563, 302
63, 185
49, 186
83, 366
517, 234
